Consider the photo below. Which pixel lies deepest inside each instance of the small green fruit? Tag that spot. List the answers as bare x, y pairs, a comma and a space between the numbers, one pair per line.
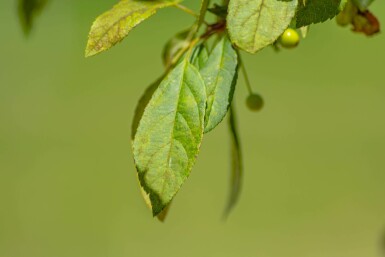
254, 102
289, 38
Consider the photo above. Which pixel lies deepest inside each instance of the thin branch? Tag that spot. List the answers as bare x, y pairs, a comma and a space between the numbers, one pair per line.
202, 13
187, 10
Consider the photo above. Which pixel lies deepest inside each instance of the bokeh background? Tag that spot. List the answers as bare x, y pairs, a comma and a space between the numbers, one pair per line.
314, 157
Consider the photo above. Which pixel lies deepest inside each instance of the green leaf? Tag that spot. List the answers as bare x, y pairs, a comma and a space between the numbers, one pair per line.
141, 106
199, 56
28, 9
146, 97
219, 74
236, 164
316, 11
163, 214
363, 4
169, 134
255, 24
113, 26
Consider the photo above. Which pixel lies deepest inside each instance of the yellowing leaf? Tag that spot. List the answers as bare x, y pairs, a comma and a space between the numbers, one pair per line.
113, 26
255, 24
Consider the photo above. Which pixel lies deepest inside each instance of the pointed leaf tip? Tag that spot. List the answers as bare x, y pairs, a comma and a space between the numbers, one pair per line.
169, 134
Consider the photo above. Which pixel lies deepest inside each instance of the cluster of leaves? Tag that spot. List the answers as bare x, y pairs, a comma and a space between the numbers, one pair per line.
201, 70
195, 93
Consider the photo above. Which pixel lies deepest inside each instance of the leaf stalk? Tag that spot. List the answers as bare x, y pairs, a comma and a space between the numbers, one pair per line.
187, 10
202, 13
245, 75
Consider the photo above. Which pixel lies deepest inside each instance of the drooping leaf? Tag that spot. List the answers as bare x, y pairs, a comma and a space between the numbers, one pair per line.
219, 74
255, 24
28, 9
236, 163
363, 5
316, 11
169, 134
113, 26
143, 101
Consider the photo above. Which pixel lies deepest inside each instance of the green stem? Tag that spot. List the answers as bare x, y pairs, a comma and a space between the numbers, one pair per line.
187, 49
202, 13
187, 10
244, 71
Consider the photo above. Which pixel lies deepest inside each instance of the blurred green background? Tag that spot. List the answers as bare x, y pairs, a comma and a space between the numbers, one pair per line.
314, 157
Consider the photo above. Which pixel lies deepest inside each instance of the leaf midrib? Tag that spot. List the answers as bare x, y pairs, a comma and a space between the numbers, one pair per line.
216, 80
173, 126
